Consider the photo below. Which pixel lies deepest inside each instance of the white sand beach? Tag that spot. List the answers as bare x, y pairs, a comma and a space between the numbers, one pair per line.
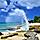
20, 36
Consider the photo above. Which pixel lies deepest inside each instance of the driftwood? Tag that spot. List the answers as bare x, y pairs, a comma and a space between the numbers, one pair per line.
9, 36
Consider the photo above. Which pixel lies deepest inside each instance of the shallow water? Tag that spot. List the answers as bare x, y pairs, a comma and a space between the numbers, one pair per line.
5, 26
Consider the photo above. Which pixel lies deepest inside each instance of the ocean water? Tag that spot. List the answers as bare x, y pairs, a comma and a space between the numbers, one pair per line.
4, 26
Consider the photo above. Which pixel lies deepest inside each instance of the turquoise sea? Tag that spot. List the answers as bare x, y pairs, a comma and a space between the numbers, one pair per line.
5, 26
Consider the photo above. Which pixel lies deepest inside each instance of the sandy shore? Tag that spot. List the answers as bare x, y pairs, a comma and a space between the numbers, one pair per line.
20, 36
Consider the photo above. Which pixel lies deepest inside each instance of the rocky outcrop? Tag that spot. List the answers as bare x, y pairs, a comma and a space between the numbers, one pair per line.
31, 36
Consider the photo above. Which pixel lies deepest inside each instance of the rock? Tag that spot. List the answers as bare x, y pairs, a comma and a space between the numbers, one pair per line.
26, 35
31, 36
12, 29
1, 33
19, 26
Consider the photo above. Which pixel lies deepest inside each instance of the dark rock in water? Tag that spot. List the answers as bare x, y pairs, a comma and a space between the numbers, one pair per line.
1, 33
19, 26
12, 29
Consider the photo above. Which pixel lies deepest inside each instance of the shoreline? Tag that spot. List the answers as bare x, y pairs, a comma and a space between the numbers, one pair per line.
18, 35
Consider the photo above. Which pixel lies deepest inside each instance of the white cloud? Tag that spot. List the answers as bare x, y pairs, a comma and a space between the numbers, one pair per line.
18, 13
12, 13
28, 3
3, 3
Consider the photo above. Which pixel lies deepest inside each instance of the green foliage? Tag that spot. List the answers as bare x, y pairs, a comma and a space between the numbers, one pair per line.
36, 19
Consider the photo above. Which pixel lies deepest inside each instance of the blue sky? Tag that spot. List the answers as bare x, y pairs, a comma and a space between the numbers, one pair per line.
30, 13
33, 12
30, 10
